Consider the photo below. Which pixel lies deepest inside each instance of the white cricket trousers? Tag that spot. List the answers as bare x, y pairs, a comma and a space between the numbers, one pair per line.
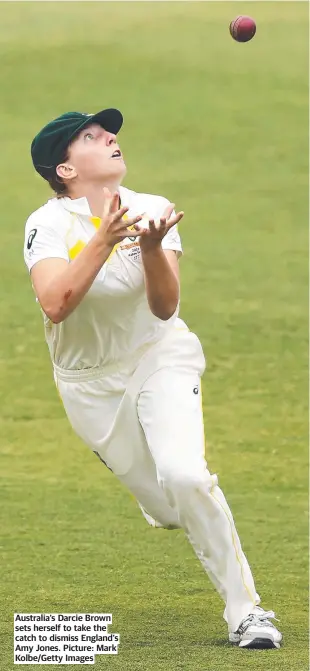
144, 420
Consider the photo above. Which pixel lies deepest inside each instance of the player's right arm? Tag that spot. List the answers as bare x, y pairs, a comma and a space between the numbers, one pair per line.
59, 285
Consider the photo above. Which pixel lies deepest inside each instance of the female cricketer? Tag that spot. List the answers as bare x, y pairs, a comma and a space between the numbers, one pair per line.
103, 262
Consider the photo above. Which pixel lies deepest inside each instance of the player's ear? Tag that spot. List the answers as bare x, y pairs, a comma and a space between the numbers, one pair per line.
66, 171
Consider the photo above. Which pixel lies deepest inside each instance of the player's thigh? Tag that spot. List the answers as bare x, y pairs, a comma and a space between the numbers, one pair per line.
170, 413
91, 407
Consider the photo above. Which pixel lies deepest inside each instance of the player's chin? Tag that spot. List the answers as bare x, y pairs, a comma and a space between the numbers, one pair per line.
118, 167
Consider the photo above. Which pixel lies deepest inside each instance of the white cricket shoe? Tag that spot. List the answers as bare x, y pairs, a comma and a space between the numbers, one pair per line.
256, 631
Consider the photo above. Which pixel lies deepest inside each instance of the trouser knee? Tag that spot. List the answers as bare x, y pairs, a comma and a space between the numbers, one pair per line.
181, 487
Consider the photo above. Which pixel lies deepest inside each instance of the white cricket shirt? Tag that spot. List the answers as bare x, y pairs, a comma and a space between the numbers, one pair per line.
113, 321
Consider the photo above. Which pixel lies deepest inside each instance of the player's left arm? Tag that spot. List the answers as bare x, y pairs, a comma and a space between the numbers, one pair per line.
161, 267
172, 258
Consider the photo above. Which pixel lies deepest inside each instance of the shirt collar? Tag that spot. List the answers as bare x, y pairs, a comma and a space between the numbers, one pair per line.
81, 206
76, 205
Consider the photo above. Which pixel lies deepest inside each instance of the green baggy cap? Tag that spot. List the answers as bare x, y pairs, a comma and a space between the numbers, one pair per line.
49, 145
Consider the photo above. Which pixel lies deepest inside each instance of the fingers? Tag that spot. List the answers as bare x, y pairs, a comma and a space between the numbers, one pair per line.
141, 230
127, 226
133, 221
114, 203
120, 213
165, 218
107, 202
171, 222
163, 227
175, 220
152, 226
111, 205
130, 233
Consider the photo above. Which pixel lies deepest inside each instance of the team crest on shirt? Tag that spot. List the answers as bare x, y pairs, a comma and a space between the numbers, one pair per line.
134, 252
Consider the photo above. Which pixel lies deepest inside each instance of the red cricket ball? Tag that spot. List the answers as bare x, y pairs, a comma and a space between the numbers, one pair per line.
243, 28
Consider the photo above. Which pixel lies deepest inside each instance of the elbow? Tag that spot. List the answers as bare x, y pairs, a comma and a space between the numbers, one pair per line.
165, 312
56, 318
165, 316
53, 315
56, 314
56, 307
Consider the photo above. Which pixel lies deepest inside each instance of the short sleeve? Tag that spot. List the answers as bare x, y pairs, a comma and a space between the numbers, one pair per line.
172, 240
42, 242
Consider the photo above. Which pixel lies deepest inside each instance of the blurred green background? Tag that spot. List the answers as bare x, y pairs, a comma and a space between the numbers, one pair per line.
221, 129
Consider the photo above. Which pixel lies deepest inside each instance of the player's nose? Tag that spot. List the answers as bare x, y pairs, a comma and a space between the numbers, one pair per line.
110, 138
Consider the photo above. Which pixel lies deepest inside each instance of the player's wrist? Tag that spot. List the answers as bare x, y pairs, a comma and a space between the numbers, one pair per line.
103, 241
150, 247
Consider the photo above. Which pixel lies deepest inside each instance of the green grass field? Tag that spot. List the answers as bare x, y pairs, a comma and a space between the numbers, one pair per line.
221, 129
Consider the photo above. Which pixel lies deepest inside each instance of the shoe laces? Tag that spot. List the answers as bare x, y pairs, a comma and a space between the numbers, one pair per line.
260, 618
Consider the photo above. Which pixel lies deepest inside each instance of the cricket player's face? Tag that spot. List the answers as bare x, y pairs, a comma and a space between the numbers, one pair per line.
96, 156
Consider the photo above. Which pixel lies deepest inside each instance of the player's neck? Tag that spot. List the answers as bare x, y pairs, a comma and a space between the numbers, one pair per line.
94, 195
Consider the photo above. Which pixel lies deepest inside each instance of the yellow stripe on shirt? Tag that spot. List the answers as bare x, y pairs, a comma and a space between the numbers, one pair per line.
76, 249
97, 221
79, 245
